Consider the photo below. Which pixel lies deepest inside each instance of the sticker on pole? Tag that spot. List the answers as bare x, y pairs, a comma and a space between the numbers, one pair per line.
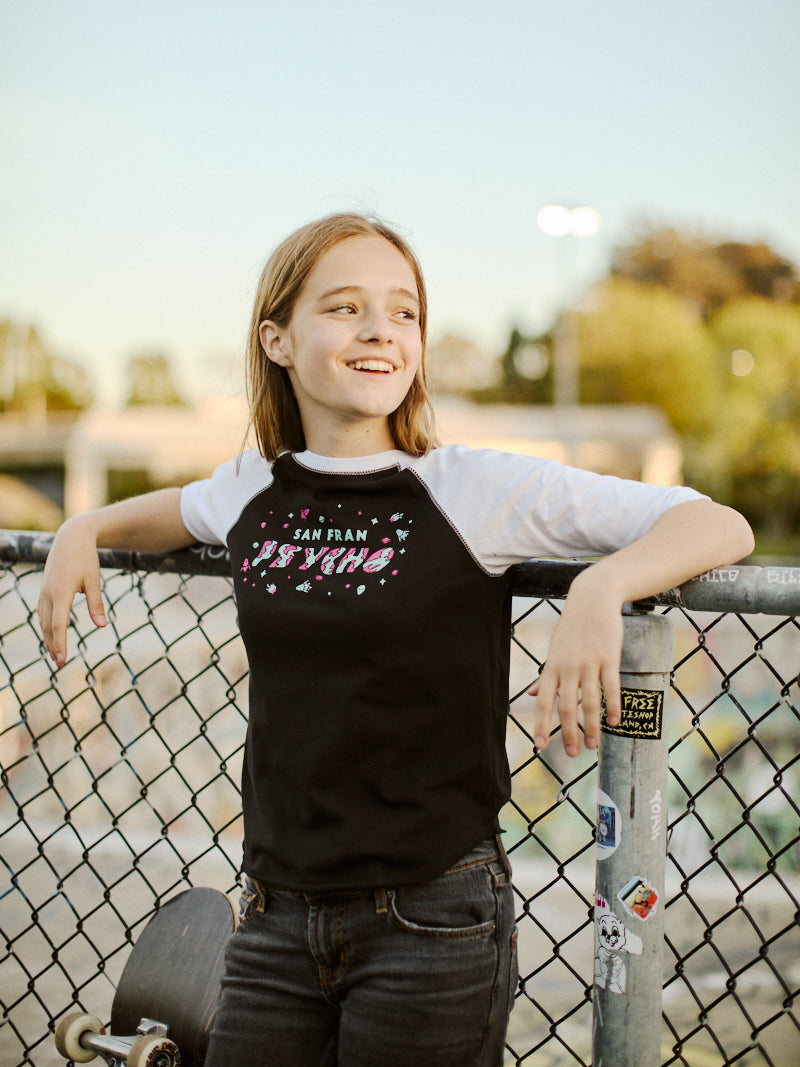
609, 826
613, 942
642, 714
638, 897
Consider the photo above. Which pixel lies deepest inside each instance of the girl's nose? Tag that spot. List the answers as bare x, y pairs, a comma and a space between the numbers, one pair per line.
376, 328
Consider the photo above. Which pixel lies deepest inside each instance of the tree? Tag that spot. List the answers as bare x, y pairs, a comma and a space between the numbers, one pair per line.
644, 345
705, 273
33, 380
457, 366
523, 373
754, 451
151, 382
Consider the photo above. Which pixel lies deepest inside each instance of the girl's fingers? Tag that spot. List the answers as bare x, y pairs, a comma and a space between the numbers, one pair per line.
55, 604
568, 716
57, 641
94, 600
611, 695
552, 692
545, 694
46, 625
567, 696
591, 705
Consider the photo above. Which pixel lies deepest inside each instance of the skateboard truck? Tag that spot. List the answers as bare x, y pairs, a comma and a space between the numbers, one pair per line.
167, 994
80, 1037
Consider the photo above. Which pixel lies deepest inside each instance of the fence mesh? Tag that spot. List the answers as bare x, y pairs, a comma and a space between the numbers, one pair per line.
120, 778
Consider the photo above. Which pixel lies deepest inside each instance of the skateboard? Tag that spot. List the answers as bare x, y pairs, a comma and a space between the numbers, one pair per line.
167, 994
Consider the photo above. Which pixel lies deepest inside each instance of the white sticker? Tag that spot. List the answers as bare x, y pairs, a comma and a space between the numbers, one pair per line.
613, 941
609, 826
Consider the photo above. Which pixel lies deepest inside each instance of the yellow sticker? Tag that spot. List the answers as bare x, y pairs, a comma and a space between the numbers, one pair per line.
642, 714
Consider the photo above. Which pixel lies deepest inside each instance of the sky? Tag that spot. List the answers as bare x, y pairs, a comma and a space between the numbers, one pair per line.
152, 154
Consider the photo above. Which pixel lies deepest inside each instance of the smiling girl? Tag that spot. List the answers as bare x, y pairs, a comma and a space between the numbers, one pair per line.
372, 578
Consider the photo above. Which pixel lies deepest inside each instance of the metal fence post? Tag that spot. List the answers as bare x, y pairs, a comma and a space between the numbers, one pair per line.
631, 855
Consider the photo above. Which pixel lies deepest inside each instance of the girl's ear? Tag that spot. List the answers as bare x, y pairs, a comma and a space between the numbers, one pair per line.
273, 341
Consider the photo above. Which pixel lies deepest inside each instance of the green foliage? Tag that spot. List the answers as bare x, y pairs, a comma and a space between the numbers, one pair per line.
756, 438
34, 381
706, 273
151, 382
517, 384
644, 345
730, 386
457, 367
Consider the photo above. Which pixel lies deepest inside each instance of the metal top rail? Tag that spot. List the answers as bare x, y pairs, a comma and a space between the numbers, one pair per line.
737, 588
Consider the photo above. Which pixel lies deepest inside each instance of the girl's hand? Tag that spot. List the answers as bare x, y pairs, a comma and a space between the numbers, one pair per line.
586, 648
148, 523
583, 660
72, 567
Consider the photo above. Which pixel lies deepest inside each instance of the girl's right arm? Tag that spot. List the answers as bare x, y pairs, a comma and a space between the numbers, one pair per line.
150, 523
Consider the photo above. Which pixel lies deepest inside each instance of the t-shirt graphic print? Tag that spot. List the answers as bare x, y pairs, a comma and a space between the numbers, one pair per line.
299, 551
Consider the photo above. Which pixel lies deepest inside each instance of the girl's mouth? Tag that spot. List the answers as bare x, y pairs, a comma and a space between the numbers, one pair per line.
380, 366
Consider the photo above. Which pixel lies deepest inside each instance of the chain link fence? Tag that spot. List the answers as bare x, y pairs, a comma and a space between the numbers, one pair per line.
120, 787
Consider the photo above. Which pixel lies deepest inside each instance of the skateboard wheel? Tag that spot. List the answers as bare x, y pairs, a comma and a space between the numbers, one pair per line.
68, 1035
151, 1051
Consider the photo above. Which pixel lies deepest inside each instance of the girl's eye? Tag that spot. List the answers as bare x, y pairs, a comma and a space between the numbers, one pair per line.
349, 308
408, 313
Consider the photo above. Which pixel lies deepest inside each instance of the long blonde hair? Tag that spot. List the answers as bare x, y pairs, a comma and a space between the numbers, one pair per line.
274, 414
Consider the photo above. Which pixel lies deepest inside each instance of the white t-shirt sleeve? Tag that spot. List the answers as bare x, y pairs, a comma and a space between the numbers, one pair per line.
210, 506
508, 508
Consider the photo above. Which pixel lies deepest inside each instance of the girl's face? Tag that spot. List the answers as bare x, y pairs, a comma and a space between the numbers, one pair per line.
352, 347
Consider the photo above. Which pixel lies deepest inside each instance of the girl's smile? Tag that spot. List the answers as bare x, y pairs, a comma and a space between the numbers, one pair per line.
352, 346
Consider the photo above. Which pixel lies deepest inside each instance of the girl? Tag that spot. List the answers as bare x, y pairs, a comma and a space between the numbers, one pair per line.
372, 582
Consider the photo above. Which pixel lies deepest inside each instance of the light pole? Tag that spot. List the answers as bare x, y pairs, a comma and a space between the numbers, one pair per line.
557, 221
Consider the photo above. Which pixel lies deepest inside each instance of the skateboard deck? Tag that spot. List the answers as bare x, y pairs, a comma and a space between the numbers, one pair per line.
168, 989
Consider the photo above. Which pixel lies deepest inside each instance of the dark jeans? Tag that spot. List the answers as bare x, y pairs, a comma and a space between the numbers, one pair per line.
415, 976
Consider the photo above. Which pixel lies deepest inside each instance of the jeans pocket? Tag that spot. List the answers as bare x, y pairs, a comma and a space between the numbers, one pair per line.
458, 905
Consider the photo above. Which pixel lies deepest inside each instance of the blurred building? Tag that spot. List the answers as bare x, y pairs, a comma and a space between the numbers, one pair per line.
631, 440
32, 450
147, 447
53, 469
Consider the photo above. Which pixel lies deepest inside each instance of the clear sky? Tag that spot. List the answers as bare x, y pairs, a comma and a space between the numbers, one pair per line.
152, 153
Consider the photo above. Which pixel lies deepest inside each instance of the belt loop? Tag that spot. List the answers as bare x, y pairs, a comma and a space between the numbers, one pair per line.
380, 901
503, 855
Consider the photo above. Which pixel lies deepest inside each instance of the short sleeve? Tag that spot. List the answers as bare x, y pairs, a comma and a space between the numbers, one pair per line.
210, 506
509, 508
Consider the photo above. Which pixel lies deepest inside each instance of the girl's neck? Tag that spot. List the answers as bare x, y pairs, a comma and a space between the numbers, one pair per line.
350, 443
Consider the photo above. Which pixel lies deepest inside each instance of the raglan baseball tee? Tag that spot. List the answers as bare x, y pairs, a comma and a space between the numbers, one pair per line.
374, 603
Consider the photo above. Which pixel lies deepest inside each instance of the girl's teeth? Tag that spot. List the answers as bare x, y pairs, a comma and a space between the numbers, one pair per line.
371, 364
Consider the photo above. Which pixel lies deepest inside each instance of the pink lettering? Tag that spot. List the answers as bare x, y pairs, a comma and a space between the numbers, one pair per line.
312, 557
378, 560
285, 554
265, 552
352, 558
329, 562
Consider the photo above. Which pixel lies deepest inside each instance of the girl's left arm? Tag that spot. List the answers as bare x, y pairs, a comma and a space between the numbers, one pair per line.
586, 647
